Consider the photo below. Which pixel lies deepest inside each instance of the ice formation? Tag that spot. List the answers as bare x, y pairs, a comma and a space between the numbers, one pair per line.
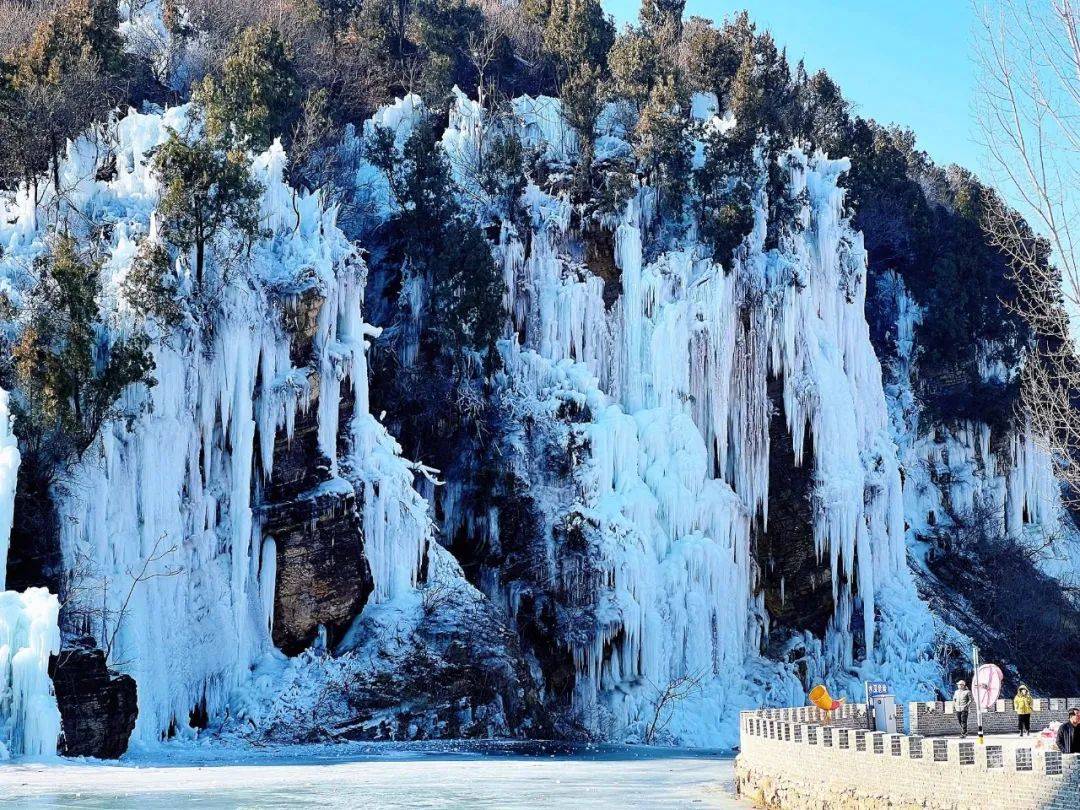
162, 503
670, 477
29, 634
674, 378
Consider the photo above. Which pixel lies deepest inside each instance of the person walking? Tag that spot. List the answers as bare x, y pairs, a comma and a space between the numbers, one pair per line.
1022, 705
962, 705
1068, 736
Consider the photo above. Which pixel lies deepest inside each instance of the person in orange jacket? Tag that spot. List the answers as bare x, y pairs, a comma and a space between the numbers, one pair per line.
1022, 704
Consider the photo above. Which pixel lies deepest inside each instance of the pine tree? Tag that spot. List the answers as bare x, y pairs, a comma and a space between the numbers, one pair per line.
438, 239
663, 147
205, 189
708, 59
823, 113
578, 32
69, 382
634, 67
259, 94
657, 15
71, 74
761, 92
581, 108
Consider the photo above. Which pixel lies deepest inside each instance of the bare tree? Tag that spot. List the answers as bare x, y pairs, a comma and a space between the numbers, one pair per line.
674, 692
86, 605
19, 19
1029, 117
483, 48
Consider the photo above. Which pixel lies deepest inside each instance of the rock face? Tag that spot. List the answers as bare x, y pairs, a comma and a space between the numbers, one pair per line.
462, 677
798, 591
97, 707
323, 577
441, 663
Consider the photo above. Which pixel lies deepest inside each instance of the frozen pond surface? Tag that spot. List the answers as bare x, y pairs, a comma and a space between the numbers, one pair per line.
385, 777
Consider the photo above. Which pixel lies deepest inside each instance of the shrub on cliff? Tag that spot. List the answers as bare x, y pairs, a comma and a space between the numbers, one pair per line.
68, 375
258, 96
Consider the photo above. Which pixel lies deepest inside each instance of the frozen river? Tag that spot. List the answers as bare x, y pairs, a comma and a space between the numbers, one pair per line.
605, 777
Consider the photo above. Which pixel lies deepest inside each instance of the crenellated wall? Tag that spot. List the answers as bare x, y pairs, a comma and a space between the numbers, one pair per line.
787, 764
939, 719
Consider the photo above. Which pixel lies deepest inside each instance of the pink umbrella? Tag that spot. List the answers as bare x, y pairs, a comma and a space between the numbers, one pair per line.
987, 685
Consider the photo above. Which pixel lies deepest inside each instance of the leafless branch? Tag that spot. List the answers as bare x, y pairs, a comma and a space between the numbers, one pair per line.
675, 691
1029, 118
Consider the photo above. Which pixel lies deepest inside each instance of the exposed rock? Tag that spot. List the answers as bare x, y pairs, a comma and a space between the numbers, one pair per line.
797, 584
299, 465
461, 678
301, 318
600, 258
438, 663
97, 707
34, 559
323, 577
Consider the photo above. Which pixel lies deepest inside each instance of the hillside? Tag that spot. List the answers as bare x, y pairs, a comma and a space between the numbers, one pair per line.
445, 369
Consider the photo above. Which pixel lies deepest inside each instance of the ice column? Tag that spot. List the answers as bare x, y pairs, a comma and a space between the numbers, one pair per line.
29, 634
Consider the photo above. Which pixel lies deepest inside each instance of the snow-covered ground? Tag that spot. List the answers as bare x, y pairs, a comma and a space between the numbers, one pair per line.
398, 777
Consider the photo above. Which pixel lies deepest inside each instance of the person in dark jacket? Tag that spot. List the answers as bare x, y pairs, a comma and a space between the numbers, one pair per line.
962, 705
1068, 736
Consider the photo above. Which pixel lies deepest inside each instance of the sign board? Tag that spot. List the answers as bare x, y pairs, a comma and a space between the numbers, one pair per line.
881, 704
877, 689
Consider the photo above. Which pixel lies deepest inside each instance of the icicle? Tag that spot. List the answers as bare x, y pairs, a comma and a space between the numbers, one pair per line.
29, 634
268, 581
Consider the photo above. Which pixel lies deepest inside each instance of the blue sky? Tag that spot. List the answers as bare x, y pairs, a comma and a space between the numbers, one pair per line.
906, 62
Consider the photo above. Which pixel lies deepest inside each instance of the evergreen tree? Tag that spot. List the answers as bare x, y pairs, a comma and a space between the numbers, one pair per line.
149, 287
659, 14
708, 59
634, 67
823, 113
661, 21
761, 92
71, 74
70, 382
259, 94
577, 32
663, 147
725, 214
581, 108
205, 188
436, 237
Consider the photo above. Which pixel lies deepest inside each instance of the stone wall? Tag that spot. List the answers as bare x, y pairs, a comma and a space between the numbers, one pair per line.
784, 764
939, 719
849, 715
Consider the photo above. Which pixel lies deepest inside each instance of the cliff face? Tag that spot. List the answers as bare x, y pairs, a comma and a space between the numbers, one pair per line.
97, 707
690, 474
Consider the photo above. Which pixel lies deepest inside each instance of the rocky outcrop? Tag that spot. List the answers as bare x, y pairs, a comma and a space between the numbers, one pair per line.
323, 577
34, 559
796, 581
97, 707
460, 675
